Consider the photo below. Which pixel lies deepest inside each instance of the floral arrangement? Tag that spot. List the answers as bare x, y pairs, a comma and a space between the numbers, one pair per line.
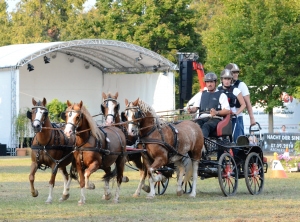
289, 162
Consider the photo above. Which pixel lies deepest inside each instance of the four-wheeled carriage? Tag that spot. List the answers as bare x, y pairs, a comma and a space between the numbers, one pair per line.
228, 162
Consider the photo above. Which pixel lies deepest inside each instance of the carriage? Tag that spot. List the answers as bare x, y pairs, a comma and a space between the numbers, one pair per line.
227, 161
221, 158
177, 148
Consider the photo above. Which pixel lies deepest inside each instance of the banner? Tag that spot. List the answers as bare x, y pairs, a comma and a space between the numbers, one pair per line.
278, 143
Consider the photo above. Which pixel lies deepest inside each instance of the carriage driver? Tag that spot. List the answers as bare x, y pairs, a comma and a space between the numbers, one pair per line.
212, 105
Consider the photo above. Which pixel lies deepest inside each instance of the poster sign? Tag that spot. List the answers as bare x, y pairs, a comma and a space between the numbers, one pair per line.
278, 143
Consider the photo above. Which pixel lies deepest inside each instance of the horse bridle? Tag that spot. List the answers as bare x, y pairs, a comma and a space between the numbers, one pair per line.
75, 126
137, 115
45, 114
106, 105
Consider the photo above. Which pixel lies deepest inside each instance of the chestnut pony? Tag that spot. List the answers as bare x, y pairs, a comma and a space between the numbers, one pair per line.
96, 148
50, 148
165, 143
110, 109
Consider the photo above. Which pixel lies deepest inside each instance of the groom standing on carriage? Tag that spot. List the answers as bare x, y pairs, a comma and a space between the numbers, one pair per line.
212, 105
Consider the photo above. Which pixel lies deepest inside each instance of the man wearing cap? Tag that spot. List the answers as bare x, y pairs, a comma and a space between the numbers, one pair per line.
212, 104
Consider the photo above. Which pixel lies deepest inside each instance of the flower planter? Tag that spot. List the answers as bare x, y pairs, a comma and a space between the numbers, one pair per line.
21, 152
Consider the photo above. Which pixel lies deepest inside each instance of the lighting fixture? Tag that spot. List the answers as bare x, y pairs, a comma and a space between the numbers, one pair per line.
71, 59
30, 67
46, 59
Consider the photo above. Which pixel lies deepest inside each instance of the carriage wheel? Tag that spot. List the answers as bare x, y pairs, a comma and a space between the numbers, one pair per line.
187, 186
254, 174
161, 186
227, 174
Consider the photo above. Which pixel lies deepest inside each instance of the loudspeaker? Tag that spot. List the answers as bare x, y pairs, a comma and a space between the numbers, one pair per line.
186, 79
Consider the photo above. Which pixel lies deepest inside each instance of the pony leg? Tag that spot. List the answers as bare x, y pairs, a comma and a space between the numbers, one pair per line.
152, 180
88, 185
92, 168
51, 186
195, 177
107, 193
180, 174
143, 174
67, 183
81, 183
120, 164
33, 169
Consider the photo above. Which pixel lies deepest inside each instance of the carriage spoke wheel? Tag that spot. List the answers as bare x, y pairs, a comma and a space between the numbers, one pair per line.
161, 186
187, 186
254, 174
227, 174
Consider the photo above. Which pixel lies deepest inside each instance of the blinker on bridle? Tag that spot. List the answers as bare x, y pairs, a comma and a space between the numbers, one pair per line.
45, 114
106, 105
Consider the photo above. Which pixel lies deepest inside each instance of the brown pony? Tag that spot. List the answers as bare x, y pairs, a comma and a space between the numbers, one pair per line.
96, 148
110, 109
165, 143
50, 148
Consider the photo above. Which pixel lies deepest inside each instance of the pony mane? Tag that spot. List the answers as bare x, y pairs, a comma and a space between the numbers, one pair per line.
147, 108
94, 128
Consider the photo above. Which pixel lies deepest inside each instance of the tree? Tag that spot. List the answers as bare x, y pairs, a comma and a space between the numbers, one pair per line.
164, 27
261, 36
55, 108
42, 20
5, 24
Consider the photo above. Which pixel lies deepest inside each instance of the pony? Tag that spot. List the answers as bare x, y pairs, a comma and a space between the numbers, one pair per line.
110, 109
165, 143
96, 148
50, 148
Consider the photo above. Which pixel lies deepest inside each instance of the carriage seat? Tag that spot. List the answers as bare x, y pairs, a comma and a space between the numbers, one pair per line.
224, 127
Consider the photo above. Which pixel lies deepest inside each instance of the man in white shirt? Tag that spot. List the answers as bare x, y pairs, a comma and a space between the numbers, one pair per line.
236, 101
246, 94
212, 105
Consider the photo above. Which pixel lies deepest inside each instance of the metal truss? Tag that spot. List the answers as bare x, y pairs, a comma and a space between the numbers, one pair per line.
86, 50
13, 137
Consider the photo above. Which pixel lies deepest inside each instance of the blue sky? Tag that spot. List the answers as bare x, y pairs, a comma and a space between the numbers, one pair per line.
12, 4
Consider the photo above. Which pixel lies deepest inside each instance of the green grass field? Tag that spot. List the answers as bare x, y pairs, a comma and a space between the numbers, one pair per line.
278, 202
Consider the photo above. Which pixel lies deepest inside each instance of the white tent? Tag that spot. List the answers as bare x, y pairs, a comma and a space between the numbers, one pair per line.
81, 70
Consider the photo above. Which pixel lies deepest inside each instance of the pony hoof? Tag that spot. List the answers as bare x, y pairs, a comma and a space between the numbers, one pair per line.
125, 179
64, 197
91, 186
146, 188
150, 197
179, 193
35, 193
135, 195
192, 195
115, 201
48, 202
80, 203
106, 196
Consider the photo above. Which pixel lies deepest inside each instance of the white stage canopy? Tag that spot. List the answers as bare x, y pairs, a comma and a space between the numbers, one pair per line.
80, 70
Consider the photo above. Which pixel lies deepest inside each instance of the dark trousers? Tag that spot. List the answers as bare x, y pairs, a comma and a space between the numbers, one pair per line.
208, 125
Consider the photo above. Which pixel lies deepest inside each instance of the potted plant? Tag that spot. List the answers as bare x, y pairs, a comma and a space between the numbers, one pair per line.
22, 129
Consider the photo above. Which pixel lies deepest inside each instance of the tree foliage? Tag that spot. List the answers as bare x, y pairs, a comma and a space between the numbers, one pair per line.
55, 108
261, 36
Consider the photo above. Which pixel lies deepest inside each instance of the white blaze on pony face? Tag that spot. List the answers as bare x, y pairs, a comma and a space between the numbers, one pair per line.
71, 121
37, 122
132, 127
110, 113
